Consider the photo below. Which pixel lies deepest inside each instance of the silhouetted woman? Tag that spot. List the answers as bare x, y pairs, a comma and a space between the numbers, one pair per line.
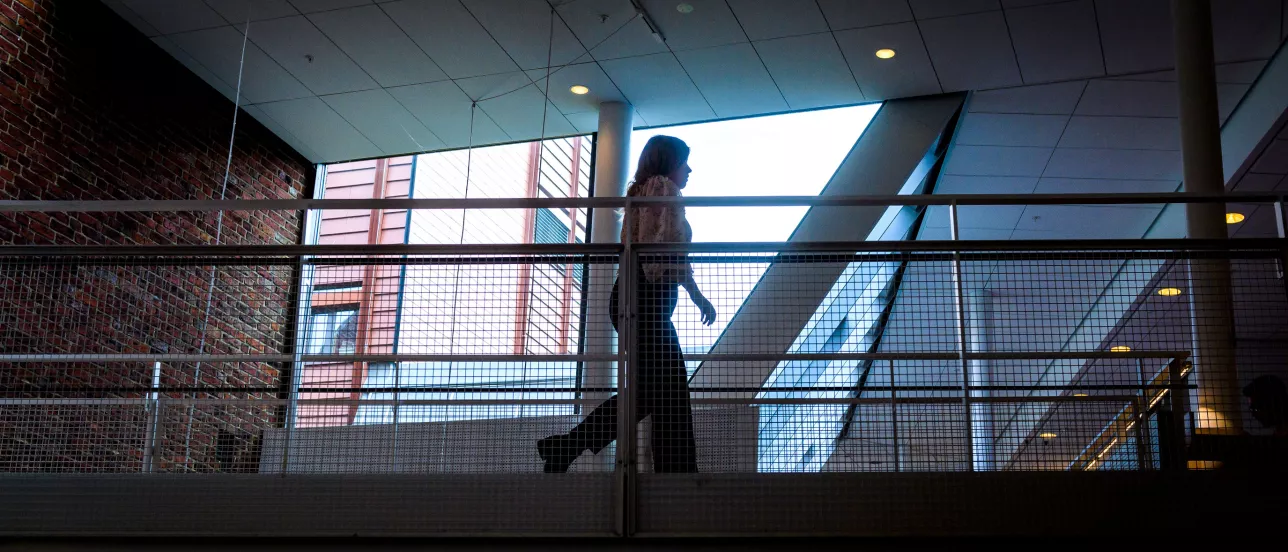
661, 380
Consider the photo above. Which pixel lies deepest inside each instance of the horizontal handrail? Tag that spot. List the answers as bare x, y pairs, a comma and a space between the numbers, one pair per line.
709, 357
603, 253
76, 206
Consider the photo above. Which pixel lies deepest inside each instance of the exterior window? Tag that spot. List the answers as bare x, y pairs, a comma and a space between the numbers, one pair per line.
333, 332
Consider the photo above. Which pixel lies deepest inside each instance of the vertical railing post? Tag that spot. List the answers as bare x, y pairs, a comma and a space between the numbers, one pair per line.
152, 406
960, 302
894, 419
1179, 396
1281, 224
626, 359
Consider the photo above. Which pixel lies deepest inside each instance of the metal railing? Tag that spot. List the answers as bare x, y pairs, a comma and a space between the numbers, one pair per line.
823, 361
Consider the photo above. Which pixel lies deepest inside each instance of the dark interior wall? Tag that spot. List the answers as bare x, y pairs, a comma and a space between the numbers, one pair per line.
92, 109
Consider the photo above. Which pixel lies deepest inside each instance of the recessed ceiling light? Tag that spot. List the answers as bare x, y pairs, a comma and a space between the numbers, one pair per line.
885, 53
684, 8
1047, 435
1169, 292
1234, 218
1120, 349
579, 90
1079, 394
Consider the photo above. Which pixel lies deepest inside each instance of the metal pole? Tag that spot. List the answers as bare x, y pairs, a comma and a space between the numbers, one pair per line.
1212, 309
960, 304
153, 406
627, 456
894, 419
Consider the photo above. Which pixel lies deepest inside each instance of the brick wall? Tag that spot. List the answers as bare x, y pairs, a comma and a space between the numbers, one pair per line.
91, 109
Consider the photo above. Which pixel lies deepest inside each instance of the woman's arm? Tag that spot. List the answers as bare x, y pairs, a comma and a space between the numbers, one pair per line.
708, 310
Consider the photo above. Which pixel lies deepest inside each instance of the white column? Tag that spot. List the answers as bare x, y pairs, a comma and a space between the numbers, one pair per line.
979, 307
612, 161
1212, 308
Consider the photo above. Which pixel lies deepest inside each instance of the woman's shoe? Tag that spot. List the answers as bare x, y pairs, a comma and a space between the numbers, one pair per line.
558, 452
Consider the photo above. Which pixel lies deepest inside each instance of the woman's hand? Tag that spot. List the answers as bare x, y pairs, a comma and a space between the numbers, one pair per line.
708, 310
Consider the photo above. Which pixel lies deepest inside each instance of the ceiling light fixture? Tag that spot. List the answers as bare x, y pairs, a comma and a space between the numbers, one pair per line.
684, 8
885, 53
1234, 218
1079, 394
579, 90
1047, 435
1169, 292
1120, 349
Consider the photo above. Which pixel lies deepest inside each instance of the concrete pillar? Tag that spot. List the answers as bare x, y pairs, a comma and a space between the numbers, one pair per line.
979, 309
612, 161
1212, 311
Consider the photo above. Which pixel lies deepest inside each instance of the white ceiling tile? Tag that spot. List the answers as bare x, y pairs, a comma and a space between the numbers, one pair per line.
134, 19
321, 129
213, 80
943, 233
1123, 133
443, 108
309, 55
1115, 163
175, 16
1026, 3
589, 75
1129, 99
996, 129
1274, 160
1070, 221
523, 29
765, 19
1257, 182
925, 9
1056, 42
620, 34
451, 37
993, 217
1245, 72
237, 11
1239, 73
587, 121
822, 81
909, 73
1104, 186
484, 89
996, 161
961, 184
520, 115
384, 121
219, 50
709, 24
971, 51
378, 46
1228, 97
1260, 222
311, 6
1136, 35
851, 14
733, 80
657, 86
1245, 29
1053, 99
282, 133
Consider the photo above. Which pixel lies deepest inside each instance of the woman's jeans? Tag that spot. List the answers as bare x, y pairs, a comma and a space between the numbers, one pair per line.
661, 384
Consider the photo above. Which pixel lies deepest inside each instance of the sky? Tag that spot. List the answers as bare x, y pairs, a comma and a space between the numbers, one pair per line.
791, 154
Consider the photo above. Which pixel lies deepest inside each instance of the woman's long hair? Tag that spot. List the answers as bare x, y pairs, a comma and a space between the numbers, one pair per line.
662, 155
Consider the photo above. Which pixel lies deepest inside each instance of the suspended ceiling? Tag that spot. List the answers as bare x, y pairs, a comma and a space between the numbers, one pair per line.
348, 79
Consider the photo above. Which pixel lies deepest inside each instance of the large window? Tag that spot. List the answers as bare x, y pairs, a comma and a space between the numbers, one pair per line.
464, 308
